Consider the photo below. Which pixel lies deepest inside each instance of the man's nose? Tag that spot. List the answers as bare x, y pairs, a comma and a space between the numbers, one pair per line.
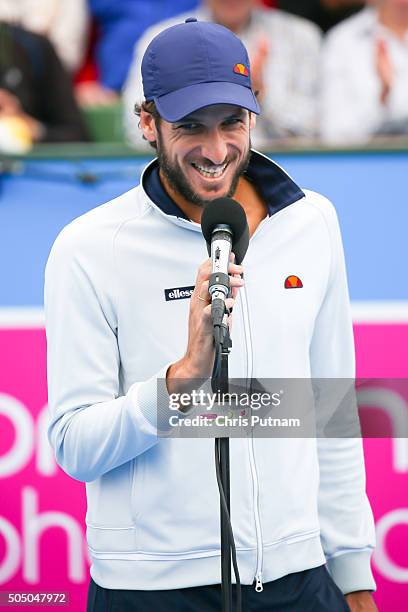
214, 147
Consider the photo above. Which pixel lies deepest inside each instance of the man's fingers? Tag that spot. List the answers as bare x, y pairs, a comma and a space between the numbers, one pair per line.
236, 281
204, 272
202, 282
229, 303
235, 269
202, 292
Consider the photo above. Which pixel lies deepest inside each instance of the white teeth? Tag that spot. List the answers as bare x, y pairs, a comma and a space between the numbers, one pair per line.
213, 171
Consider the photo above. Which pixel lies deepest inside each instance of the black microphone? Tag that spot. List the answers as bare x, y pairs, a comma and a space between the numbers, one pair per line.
225, 229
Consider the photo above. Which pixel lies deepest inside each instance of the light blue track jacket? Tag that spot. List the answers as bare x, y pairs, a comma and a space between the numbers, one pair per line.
153, 503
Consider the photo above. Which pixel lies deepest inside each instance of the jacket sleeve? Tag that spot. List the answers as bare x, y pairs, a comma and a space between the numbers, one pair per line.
346, 521
93, 426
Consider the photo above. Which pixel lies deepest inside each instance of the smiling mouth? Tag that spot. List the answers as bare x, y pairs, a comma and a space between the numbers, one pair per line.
211, 172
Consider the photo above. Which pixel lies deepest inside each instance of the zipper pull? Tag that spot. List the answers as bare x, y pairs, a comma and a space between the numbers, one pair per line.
258, 585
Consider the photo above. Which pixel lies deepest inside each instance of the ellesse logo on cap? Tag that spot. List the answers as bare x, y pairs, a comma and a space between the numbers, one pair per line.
293, 282
241, 69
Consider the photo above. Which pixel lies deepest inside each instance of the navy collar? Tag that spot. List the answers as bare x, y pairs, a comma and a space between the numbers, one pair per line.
275, 187
156, 192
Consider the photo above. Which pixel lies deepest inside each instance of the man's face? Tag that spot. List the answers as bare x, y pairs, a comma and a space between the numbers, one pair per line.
395, 4
202, 156
401, 4
232, 14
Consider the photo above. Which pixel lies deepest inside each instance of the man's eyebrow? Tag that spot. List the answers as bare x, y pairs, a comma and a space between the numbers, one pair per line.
197, 119
189, 119
236, 114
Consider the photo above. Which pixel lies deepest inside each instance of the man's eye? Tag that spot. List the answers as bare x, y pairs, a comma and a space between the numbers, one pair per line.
189, 127
233, 121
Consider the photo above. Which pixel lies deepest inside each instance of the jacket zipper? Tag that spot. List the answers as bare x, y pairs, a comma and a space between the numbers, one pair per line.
258, 573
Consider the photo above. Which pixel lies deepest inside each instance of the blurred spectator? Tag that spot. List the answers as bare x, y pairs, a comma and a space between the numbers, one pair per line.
35, 89
284, 53
324, 13
365, 75
120, 24
64, 22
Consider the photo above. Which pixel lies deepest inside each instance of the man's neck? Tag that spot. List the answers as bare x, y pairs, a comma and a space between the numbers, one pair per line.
394, 18
250, 200
246, 194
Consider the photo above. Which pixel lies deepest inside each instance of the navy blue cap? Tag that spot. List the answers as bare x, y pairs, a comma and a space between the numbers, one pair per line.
195, 64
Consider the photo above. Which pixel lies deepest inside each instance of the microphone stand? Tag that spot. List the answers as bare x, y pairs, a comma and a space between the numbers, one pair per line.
225, 229
220, 383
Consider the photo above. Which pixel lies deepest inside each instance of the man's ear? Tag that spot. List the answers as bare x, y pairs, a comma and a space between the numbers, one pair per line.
252, 121
148, 126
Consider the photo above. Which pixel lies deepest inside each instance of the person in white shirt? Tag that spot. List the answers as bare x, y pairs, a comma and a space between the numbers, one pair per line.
364, 81
122, 315
64, 22
284, 53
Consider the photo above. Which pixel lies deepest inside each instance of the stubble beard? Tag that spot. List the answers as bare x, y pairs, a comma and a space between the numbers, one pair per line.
178, 181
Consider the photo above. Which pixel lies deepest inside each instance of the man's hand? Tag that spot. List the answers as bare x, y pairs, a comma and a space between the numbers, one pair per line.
199, 358
10, 107
385, 70
9, 104
258, 61
361, 601
92, 93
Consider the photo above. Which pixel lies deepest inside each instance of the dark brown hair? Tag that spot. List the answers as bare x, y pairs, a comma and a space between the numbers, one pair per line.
149, 107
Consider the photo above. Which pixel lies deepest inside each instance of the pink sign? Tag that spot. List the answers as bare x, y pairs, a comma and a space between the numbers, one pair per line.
42, 511
382, 351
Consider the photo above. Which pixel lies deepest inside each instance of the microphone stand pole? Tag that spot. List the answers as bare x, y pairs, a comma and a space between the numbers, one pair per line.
221, 384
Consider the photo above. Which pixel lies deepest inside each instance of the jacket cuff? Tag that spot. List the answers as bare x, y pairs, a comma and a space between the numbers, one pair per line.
351, 571
154, 402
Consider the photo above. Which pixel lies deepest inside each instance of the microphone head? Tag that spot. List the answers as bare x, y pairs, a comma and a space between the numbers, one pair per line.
228, 212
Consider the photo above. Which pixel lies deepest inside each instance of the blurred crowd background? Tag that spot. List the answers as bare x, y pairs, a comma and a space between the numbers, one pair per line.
328, 72
330, 75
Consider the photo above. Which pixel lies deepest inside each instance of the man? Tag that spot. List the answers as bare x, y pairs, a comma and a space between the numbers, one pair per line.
35, 88
284, 52
114, 331
364, 89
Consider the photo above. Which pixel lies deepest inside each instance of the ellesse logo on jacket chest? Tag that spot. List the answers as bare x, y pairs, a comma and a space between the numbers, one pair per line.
178, 293
293, 282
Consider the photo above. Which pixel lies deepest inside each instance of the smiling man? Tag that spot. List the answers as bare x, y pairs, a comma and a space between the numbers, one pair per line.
127, 305
204, 156
204, 165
